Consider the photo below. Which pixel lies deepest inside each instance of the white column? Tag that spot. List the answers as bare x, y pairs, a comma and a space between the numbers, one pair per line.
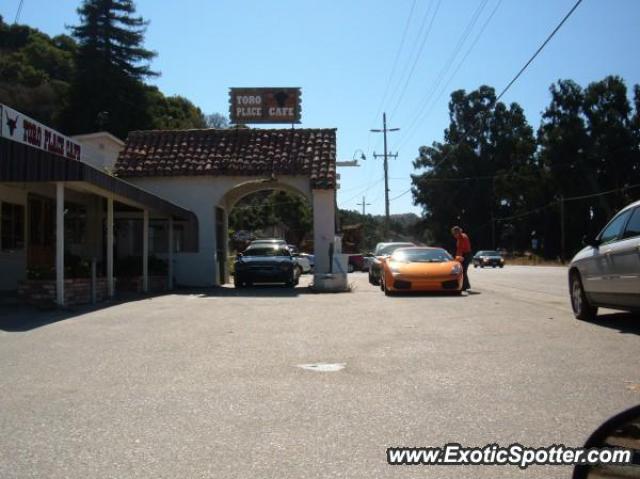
170, 254
110, 281
60, 243
323, 228
145, 251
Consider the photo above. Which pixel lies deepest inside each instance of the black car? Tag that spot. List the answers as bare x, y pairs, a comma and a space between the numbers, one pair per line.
383, 250
488, 258
265, 263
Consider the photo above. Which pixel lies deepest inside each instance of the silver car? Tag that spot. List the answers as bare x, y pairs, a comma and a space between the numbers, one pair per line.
606, 273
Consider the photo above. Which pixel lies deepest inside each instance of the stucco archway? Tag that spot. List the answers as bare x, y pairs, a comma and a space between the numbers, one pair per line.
207, 171
323, 206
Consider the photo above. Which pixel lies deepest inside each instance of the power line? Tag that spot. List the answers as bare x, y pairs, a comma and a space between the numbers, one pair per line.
366, 188
18, 12
392, 71
426, 105
416, 59
513, 80
386, 155
395, 61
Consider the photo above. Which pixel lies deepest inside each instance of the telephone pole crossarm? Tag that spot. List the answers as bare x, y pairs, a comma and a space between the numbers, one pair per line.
386, 156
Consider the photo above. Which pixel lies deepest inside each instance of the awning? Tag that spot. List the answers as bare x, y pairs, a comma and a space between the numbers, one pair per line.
21, 163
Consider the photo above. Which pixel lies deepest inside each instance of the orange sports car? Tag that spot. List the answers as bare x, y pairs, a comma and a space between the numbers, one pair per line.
421, 269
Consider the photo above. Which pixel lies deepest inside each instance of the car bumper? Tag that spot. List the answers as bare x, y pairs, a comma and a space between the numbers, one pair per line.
264, 276
448, 283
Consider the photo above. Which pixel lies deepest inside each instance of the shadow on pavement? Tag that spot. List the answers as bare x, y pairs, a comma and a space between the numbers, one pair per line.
20, 318
262, 291
625, 323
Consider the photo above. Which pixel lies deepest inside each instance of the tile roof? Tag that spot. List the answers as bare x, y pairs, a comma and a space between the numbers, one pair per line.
242, 152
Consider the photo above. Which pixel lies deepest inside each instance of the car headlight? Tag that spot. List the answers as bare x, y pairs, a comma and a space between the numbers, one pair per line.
394, 268
456, 269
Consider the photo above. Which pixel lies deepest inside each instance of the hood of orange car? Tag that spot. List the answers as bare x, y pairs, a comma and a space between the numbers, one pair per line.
410, 269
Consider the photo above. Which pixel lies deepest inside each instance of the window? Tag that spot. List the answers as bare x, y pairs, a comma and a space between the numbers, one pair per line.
633, 227
12, 226
612, 231
75, 223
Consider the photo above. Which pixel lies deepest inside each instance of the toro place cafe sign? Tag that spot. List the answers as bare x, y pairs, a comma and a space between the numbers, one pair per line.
18, 127
264, 105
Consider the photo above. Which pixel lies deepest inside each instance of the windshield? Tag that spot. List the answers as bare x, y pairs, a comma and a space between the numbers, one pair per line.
421, 256
390, 248
488, 253
266, 251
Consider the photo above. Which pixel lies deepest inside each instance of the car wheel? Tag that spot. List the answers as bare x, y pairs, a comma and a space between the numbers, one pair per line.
501, 266
475, 265
582, 309
350, 268
237, 282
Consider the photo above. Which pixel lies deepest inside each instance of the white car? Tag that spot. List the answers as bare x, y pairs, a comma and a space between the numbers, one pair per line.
606, 273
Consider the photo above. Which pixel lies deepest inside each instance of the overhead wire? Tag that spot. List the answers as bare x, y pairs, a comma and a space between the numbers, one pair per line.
428, 102
513, 80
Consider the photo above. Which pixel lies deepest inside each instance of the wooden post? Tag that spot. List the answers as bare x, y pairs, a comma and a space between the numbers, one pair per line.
145, 251
170, 255
110, 281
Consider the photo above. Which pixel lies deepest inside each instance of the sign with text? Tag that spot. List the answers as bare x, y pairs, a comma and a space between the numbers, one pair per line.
264, 105
18, 127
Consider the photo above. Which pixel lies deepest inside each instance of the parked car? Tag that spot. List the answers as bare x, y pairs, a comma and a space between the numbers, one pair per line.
311, 259
265, 263
367, 259
382, 251
356, 263
302, 262
606, 273
268, 241
421, 269
488, 258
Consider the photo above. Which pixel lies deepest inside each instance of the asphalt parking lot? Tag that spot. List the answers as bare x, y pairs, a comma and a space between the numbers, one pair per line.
207, 383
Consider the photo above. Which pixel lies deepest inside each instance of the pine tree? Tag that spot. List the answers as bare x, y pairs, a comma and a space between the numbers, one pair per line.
108, 92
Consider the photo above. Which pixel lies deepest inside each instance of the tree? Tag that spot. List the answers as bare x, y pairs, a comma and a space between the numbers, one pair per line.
35, 71
476, 173
217, 120
108, 90
173, 112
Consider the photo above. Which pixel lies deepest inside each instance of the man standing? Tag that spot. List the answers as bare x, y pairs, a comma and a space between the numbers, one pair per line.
463, 248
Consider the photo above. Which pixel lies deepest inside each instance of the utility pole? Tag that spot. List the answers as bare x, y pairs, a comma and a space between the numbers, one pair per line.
386, 156
363, 205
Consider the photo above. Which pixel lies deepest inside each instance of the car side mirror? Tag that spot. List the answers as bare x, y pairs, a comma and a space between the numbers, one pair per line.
238, 255
621, 434
590, 241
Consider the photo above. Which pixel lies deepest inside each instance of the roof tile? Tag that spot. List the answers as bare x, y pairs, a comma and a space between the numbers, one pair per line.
247, 152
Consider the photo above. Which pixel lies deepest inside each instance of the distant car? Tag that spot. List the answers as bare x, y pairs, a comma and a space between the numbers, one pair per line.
382, 251
488, 258
606, 273
356, 263
421, 269
265, 263
302, 262
269, 241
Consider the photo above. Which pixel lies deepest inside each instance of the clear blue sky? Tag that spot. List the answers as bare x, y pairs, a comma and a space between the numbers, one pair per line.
342, 52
